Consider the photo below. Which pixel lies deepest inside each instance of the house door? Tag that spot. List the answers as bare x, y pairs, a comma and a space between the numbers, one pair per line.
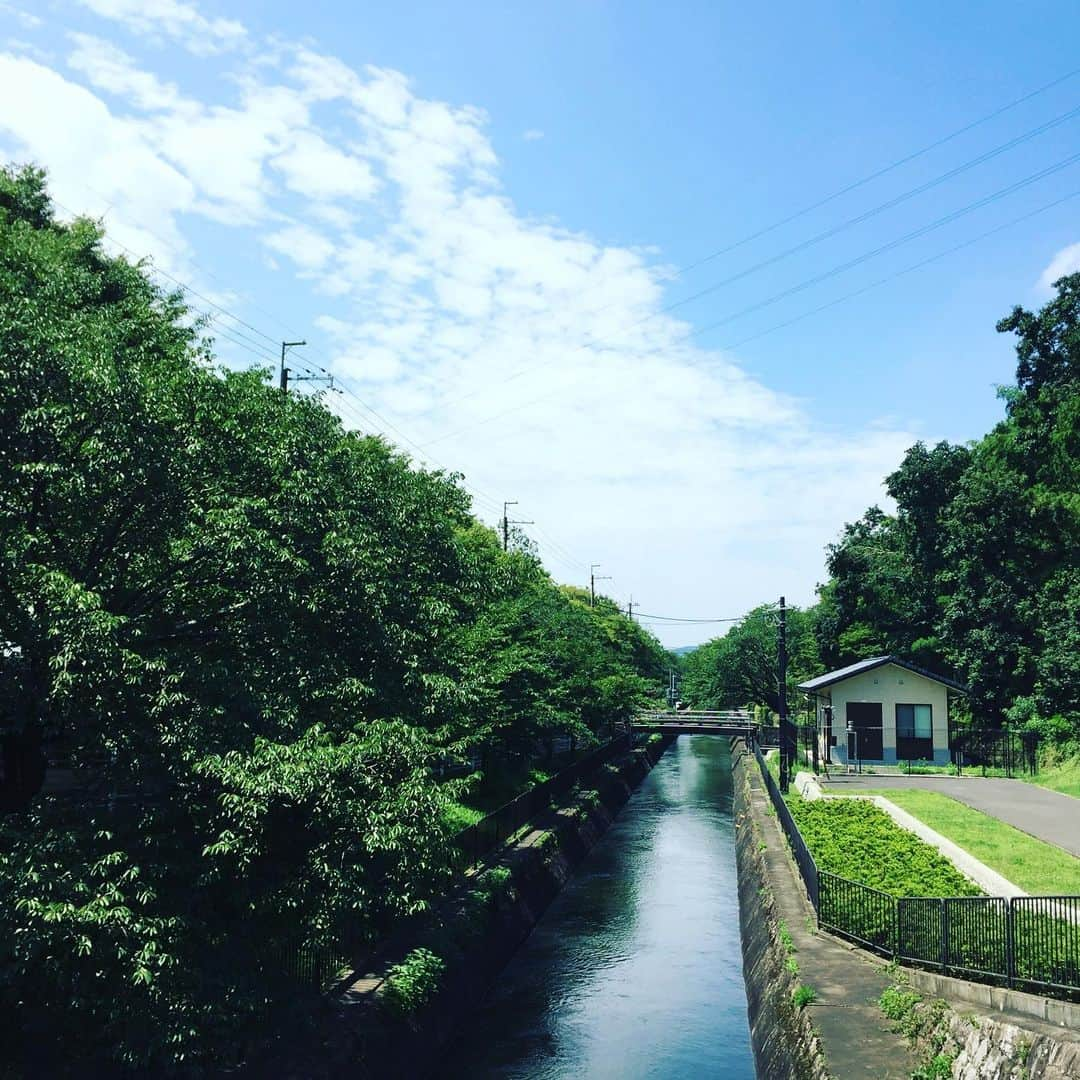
865, 717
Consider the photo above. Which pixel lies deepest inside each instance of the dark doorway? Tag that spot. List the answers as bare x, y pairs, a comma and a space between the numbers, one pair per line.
865, 717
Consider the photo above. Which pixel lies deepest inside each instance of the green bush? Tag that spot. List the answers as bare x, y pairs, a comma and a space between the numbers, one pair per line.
412, 983
897, 1002
803, 996
854, 839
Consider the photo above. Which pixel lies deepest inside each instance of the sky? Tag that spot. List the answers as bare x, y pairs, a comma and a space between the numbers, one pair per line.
683, 281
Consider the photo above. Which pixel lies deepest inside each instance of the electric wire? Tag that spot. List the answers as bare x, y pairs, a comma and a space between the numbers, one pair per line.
906, 270
803, 245
817, 279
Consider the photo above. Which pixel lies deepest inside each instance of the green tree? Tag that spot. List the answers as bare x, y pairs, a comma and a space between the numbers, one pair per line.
740, 668
246, 639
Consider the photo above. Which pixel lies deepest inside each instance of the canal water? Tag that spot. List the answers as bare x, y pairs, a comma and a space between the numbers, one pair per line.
636, 968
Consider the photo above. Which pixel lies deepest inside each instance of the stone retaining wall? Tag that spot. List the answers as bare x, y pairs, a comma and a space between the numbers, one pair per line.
785, 1044
357, 1038
993, 1048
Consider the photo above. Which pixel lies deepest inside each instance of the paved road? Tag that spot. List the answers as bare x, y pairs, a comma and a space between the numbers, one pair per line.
1049, 815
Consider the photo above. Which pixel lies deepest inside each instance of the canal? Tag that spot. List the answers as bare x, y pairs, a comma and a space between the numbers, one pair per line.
636, 968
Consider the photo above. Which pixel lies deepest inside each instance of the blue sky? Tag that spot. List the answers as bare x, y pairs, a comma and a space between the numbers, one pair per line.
476, 212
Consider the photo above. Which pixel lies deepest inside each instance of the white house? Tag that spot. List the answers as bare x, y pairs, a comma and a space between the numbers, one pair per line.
896, 711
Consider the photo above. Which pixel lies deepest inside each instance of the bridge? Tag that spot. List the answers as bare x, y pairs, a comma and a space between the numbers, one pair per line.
732, 722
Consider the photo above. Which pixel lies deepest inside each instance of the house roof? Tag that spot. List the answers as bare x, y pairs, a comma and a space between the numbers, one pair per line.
840, 674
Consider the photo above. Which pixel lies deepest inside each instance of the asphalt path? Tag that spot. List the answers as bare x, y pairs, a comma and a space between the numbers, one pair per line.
1048, 815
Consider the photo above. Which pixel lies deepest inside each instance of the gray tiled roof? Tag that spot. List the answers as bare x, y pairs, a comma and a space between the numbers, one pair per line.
868, 665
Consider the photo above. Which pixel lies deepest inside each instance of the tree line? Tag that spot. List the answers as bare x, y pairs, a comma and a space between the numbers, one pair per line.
975, 573
246, 659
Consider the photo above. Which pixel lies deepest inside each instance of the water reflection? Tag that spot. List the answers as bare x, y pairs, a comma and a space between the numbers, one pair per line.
635, 970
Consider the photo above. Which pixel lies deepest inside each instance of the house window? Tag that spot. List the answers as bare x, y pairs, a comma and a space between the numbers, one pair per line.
914, 732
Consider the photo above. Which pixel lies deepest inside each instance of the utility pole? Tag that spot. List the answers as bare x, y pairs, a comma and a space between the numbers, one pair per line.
594, 577
630, 608
787, 730
506, 523
283, 377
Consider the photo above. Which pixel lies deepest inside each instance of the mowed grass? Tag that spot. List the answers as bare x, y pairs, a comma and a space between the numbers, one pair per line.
1064, 777
1033, 865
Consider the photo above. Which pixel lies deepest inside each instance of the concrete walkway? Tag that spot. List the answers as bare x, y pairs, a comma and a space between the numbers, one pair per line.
855, 1036
1042, 813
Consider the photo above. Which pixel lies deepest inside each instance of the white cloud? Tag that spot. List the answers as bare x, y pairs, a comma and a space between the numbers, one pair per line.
532, 135
111, 69
537, 355
25, 19
1066, 261
314, 168
307, 248
173, 19
97, 161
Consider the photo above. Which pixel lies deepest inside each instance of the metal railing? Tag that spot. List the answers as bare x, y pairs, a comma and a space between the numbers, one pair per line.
1030, 943
1016, 753
803, 859
857, 912
475, 841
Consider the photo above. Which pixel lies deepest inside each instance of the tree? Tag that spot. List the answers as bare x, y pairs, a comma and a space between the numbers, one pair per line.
740, 668
975, 573
249, 637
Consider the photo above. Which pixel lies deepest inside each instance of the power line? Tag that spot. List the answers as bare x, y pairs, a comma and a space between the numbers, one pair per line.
691, 619
800, 287
882, 171
803, 245
907, 270
889, 204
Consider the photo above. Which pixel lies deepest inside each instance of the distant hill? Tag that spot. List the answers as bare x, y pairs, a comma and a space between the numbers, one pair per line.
682, 650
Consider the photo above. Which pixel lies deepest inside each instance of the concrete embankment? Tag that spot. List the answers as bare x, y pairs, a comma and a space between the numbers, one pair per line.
960, 1029
361, 1037
841, 1032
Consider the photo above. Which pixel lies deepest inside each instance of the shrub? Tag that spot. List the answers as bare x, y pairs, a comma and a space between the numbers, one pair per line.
897, 1002
854, 839
803, 996
412, 983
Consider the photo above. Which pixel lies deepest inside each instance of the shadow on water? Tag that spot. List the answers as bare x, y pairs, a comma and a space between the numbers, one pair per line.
636, 968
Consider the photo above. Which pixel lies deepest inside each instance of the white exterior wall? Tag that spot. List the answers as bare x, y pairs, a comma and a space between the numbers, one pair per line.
891, 686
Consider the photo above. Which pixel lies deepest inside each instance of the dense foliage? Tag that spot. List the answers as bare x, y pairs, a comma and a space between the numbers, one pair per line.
249, 641
854, 839
978, 570
741, 667
976, 573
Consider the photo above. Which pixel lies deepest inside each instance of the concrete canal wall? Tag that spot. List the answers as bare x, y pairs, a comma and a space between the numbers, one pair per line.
358, 1037
968, 1031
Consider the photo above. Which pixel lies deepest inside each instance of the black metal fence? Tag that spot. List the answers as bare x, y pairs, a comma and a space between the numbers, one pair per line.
857, 912
475, 841
1028, 942
1015, 753
313, 965
801, 852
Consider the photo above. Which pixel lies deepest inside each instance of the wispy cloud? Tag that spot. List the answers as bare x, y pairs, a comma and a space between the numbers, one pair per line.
1066, 261
175, 20
532, 135
534, 357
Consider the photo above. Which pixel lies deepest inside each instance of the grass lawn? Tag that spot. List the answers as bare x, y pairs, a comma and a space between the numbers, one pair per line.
1064, 778
1037, 867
